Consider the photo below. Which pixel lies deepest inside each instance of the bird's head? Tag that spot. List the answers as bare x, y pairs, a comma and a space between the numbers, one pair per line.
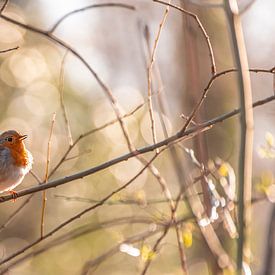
13, 140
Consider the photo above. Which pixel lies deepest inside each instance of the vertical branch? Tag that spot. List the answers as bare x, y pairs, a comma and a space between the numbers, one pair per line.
246, 147
61, 97
193, 74
4, 6
44, 198
150, 73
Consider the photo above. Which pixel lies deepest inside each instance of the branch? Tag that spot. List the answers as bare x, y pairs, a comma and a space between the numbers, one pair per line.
246, 142
44, 198
104, 5
4, 6
178, 136
9, 50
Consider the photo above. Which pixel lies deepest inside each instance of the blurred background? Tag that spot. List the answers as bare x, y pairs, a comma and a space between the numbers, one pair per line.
115, 41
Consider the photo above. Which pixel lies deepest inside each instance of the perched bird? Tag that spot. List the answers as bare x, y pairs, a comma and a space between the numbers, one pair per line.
15, 160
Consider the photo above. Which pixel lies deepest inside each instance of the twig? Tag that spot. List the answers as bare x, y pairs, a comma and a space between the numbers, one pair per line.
61, 98
178, 136
205, 35
246, 146
4, 6
150, 73
118, 5
154, 250
44, 198
9, 50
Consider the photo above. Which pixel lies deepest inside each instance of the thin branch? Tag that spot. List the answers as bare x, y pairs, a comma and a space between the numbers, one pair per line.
44, 198
246, 142
9, 50
178, 136
150, 73
61, 98
154, 250
4, 6
118, 5
205, 35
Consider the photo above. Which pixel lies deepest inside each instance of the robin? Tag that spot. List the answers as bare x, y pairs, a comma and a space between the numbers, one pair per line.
15, 160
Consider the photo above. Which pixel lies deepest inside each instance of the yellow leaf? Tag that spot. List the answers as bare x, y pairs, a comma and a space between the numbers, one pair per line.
146, 253
140, 196
269, 139
265, 182
187, 238
223, 170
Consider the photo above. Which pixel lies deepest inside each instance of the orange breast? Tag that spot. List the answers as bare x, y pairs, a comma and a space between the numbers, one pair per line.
20, 156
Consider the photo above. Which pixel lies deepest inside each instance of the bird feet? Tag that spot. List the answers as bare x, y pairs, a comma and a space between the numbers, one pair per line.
14, 195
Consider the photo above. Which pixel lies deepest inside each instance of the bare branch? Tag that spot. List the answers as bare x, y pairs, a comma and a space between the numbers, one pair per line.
4, 6
44, 198
61, 98
9, 50
150, 73
104, 5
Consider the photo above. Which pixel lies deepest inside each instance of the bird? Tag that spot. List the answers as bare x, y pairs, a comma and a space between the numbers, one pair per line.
15, 161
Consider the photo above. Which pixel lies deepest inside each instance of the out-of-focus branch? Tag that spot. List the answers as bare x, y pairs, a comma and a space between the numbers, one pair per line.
103, 5
61, 98
44, 198
246, 146
82, 231
4, 6
270, 240
133, 239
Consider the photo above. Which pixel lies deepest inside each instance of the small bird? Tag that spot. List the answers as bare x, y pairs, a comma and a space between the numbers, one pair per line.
15, 161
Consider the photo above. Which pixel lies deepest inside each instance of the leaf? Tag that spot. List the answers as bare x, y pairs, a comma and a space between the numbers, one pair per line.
269, 139
187, 237
147, 254
265, 182
223, 170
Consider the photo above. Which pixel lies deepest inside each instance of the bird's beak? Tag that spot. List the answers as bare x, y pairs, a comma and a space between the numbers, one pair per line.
22, 137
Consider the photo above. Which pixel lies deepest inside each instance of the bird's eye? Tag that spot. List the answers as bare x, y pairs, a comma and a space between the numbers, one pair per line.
9, 139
